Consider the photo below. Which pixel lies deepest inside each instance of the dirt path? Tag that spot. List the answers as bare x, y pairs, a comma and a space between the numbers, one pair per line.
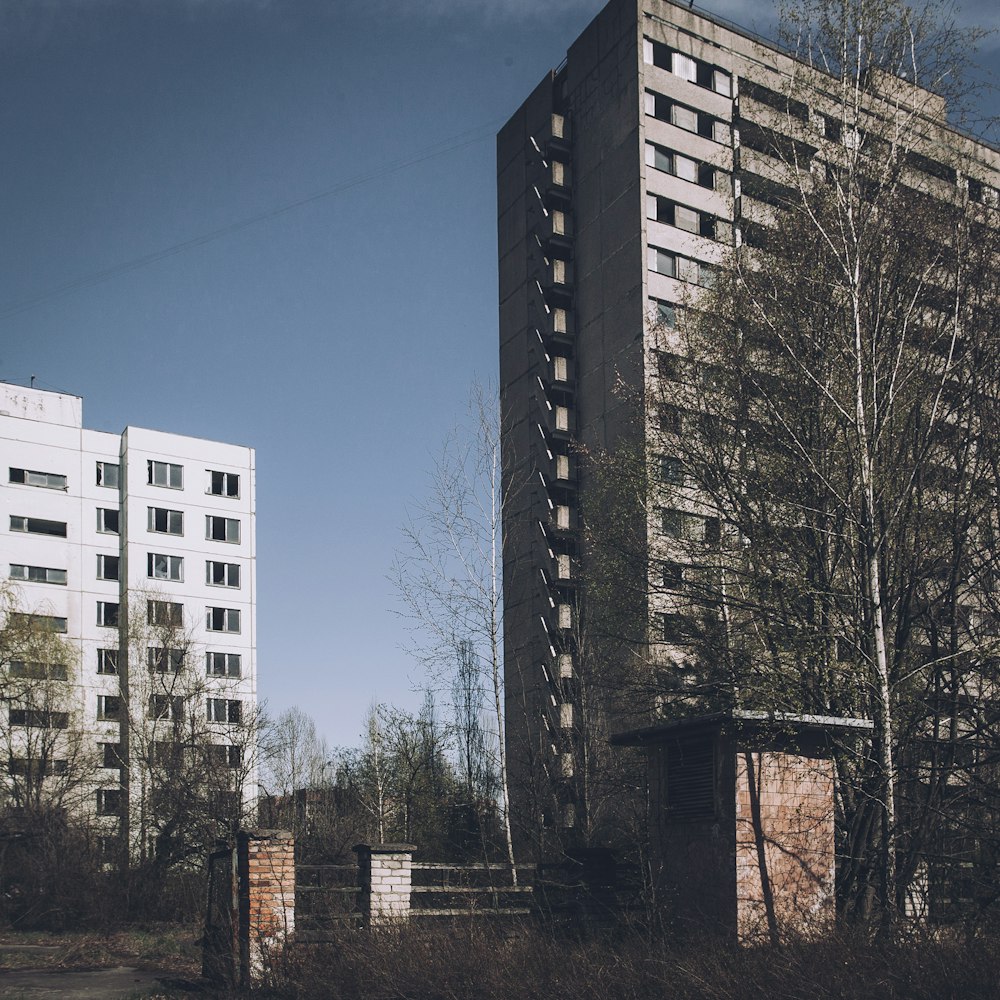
99, 984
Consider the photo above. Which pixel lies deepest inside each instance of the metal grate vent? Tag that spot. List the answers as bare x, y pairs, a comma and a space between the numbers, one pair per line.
691, 779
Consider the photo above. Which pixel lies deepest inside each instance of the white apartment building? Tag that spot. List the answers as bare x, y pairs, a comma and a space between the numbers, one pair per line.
139, 549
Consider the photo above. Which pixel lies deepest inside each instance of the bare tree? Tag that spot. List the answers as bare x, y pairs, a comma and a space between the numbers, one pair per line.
48, 764
297, 757
448, 572
188, 755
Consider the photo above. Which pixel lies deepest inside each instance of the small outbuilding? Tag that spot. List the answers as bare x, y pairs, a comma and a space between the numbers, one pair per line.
742, 820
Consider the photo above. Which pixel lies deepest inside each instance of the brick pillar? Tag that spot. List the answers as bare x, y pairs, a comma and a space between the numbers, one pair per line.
266, 872
384, 877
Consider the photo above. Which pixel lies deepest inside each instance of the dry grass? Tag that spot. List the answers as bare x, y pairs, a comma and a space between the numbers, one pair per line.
477, 964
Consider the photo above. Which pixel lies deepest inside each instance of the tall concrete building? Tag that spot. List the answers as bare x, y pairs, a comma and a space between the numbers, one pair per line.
137, 552
624, 180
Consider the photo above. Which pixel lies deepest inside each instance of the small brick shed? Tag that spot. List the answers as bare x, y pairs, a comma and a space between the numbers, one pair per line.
742, 820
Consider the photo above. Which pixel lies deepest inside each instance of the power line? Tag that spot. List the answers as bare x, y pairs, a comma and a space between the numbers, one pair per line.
448, 145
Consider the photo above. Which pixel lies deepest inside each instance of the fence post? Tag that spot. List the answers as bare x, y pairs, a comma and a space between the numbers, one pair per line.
220, 942
384, 875
265, 866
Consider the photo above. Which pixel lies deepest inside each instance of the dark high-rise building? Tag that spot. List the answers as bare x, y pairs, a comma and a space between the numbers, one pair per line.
624, 180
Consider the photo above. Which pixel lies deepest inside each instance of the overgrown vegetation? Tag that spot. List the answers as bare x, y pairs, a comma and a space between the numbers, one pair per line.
475, 960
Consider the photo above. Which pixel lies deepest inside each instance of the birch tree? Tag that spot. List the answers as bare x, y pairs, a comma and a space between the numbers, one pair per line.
448, 570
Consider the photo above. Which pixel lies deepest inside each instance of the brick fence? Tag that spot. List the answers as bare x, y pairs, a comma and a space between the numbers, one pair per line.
251, 907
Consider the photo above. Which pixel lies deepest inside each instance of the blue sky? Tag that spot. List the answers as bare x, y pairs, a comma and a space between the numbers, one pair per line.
338, 337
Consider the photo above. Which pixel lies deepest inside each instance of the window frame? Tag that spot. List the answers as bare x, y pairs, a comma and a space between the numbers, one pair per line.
166, 659
26, 526
211, 658
102, 469
228, 572
227, 522
174, 617
22, 477
107, 662
212, 612
230, 708
102, 528
153, 467
223, 490
39, 574
103, 609
172, 567
102, 573
170, 517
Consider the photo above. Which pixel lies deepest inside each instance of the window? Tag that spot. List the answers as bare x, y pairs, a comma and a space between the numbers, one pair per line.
107, 474
673, 576
224, 710
675, 627
109, 801
222, 574
112, 755
47, 480
671, 470
107, 613
663, 314
38, 623
107, 567
662, 262
693, 70
983, 193
165, 474
222, 664
37, 718
773, 99
221, 755
38, 671
687, 169
38, 526
670, 418
771, 192
168, 753
37, 574
167, 522
223, 484
164, 660
222, 620
165, 706
930, 166
107, 661
689, 119
680, 216
691, 527
770, 143
164, 613
107, 521
670, 367
164, 567
222, 529
37, 767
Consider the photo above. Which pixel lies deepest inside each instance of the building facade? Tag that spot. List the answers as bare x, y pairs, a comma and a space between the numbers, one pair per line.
665, 141
137, 553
